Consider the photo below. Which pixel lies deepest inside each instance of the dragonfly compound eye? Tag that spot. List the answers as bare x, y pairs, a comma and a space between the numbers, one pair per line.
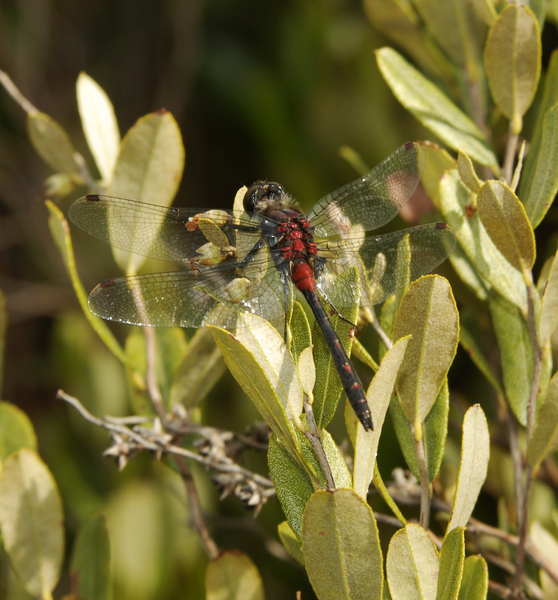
260, 192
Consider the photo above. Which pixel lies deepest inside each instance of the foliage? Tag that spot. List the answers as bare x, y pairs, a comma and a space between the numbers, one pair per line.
466, 89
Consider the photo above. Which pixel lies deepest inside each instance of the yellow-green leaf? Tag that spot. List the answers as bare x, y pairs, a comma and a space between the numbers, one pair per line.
341, 547
31, 520
233, 576
52, 143
429, 314
438, 161
16, 430
475, 452
474, 585
412, 565
513, 61
291, 542
99, 125
452, 556
505, 221
485, 10
3, 328
467, 172
549, 309
379, 395
433, 108
148, 169
544, 439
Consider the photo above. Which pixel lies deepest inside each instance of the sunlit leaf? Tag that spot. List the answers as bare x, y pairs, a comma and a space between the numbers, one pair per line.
474, 585
99, 125
467, 172
291, 542
52, 144
429, 314
544, 439
452, 556
16, 430
438, 161
475, 452
505, 221
148, 169
233, 576
60, 232
31, 520
547, 545
379, 395
90, 569
412, 565
433, 108
341, 547
457, 204
513, 61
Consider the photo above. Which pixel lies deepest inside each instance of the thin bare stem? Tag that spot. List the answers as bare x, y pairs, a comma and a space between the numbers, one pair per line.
313, 436
511, 149
11, 88
517, 461
195, 506
373, 320
425, 496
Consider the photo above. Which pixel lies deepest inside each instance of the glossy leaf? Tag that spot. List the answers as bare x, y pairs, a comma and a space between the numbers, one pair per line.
516, 352
544, 439
379, 394
412, 565
60, 232
260, 362
452, 556
474, 584
52, 144
429, 314
90, 568
233, 576
433, 108
548, 100
549, 308
328, 388
467, 172
99, 125
3, 328
544, 184
148, 169
202, 365
506, 222
513, 61
31, 520
16, 430
457, 207
341, 547
434, 433
475, 452
291, 542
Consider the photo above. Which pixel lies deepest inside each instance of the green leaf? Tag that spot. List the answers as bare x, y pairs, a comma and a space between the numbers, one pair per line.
16, 430
434, 433
452, 556
506, 222
544, 439
516, 352
259, 360
300, 330
472, 348
60, 232
99, 125
438, 161
3, 328
467, 272
379, 395
474, 585
328, 388
429, 314
544, 183
549, 307
341, 547
52, 144
547, 545
485, 10
233, 576
31, 520
548, 100
291, 542
457, 205
513, 61
475, 452
412, 565
433, 108
149, 169
202, 365
467, 172
90, 568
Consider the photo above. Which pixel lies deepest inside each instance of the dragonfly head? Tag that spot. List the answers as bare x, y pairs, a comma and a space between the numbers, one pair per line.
262, 194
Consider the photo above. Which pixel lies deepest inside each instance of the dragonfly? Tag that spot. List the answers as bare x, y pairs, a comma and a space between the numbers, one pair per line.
253, 259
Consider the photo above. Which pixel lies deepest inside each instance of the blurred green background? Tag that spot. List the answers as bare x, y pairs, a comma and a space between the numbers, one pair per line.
260, 90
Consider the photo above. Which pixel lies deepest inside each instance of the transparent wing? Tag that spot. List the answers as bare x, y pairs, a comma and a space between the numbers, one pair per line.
386, 262
372, 200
